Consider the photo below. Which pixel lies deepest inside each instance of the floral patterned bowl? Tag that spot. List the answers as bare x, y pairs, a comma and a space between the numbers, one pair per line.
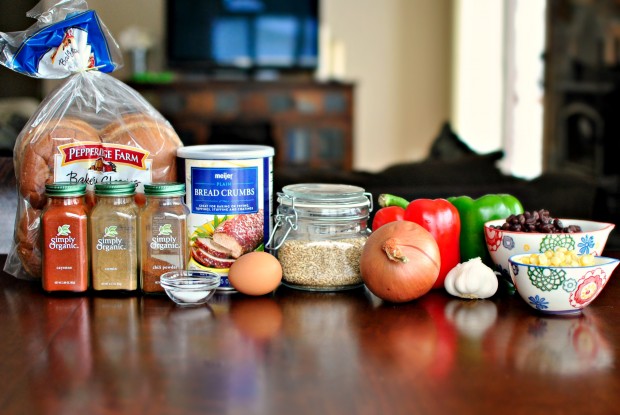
560, 290
503, 244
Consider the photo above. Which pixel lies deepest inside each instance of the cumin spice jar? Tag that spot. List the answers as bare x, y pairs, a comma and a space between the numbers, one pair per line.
319, 235
113, 236
163, 234
64, 229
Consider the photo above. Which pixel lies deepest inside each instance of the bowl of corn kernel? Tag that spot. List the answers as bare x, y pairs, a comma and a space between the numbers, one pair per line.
560, 281
538, 231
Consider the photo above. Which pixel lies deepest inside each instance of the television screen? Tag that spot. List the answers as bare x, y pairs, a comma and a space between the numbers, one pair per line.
242, 34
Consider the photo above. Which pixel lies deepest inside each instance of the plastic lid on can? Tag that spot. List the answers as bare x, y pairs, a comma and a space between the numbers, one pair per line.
164, 189
65, 189
225, 151
120, 188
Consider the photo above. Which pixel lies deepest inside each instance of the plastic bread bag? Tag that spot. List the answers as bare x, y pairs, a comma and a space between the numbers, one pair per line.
91, 129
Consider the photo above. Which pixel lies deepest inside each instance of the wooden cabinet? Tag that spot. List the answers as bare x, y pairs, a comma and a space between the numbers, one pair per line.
309, 124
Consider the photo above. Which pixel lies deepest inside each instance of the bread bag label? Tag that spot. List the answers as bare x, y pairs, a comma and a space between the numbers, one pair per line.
91, 163
73, 54
78, 42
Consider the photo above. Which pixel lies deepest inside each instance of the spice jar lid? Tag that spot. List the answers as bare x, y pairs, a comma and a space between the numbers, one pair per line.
164, 189
120, 188
323, 194
65, 189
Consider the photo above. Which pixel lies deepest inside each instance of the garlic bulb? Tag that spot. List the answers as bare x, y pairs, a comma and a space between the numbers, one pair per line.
471, 279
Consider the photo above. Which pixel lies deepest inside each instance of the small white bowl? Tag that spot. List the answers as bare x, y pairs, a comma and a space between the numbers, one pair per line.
190, 287
560, 289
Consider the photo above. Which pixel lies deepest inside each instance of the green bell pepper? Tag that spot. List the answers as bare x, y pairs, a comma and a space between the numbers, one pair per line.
474, 213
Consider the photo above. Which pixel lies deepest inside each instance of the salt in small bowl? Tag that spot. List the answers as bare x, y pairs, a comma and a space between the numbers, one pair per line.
190, 287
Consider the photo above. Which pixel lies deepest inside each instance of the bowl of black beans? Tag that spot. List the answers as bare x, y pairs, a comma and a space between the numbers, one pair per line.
540, 232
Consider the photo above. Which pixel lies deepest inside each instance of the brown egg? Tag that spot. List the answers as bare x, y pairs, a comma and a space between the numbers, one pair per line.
255, 273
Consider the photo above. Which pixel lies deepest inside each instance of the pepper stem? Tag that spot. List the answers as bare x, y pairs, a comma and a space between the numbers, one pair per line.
386, 199
393, 252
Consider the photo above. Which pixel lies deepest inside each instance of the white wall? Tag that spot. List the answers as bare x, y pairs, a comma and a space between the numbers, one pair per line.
118, 15
398, 53
523, 132
478, 73
497, 80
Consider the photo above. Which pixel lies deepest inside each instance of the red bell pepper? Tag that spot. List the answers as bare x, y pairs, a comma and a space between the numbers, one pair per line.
386, 215
442, 220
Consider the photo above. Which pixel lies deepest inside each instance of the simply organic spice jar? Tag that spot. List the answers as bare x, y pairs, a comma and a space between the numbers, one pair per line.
114, 235
163, 234
64, 232
319, 235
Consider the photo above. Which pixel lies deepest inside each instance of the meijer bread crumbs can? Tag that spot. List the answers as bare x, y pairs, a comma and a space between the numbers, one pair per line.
229, 195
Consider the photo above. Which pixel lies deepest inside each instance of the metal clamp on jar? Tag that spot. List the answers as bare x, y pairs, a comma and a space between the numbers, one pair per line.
319, 234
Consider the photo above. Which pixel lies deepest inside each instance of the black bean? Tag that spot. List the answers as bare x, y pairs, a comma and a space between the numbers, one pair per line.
537, 221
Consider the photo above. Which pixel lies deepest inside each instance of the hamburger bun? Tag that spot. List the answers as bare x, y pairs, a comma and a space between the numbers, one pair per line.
148, 133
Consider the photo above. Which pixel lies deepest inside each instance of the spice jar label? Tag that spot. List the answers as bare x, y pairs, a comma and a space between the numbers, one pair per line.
166, 250
115, 259
110, 240
63, 240
64, 255
165, 240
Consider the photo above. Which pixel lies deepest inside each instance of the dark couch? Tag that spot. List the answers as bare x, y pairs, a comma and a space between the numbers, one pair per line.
452, 169
472, 175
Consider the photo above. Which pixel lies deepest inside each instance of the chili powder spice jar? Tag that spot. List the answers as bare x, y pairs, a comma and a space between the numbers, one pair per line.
319, 235
163, 233
64, 225
114, 236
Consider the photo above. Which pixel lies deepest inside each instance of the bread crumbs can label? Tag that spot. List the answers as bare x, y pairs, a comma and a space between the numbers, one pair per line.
229, 194
225, 190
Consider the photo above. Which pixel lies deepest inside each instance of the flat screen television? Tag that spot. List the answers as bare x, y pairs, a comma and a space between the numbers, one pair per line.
248, 35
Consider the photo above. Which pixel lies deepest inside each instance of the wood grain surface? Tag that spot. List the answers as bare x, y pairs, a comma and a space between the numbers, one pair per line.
297, 352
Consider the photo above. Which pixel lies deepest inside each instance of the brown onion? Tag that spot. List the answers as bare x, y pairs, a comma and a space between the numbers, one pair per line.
400, 261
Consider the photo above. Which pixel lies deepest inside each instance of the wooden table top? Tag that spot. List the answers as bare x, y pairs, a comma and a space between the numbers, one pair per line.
297, 352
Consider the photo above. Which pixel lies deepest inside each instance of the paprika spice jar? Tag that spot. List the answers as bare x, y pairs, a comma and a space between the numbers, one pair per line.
163, 234
64, 225
113, 236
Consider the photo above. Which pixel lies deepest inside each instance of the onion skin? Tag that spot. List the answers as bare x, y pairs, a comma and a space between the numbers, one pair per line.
400, 262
